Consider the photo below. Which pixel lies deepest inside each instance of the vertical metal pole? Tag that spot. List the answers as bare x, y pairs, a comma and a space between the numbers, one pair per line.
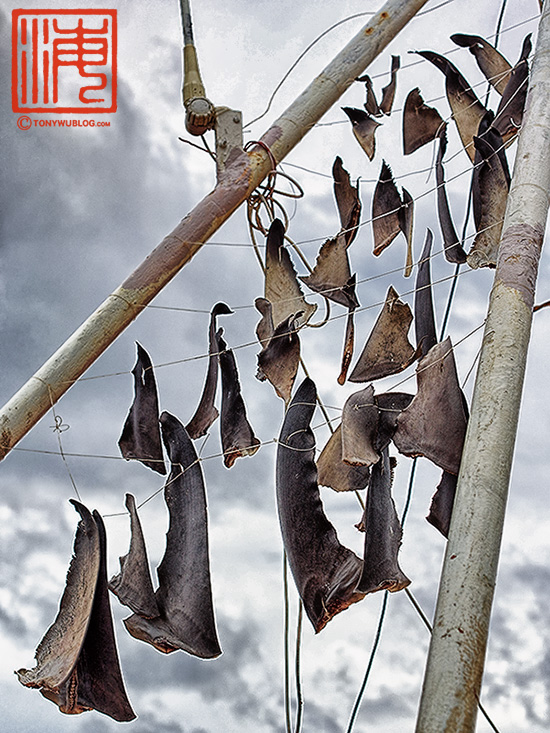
457, 652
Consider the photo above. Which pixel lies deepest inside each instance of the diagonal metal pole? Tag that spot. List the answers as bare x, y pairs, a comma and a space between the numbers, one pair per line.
456, 658
242, 173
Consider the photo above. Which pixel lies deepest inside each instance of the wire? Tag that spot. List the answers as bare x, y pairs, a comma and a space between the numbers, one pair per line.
300, 57
286, 644
298, 673
376, 641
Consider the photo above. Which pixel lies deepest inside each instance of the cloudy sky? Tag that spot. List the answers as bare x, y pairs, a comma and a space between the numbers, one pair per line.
82, 207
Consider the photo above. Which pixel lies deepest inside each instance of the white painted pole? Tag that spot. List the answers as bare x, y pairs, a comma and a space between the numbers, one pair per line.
456, 658
242, 173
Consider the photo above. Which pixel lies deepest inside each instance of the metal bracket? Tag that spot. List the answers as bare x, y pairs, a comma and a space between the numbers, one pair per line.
229, 137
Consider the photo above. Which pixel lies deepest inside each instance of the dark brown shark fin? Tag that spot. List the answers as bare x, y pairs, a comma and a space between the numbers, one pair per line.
333, 472
388, 349
140, 438
509, 114
434, 424
332, 273
206, 412
388, 92
96, 683
441, 507
325, 572
282, 288
359, 428
237, 435
424, 318
491, 62
453, 249
57, 653
77, 660
278, 361
383, 533
386, 205
467, 110
421, 124
363, 127
133, 585
184, 595
490, 185
347, 200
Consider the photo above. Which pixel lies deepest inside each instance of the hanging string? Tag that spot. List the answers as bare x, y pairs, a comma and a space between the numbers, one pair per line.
58, 428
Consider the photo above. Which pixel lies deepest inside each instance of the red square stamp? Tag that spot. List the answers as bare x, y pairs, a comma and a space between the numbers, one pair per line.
64, 61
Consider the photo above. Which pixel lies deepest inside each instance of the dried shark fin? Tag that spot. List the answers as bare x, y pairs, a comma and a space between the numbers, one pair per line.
441, 507
371, 104
434, 424
140, 438
383, 533
509, 113
279, 360
421, 123
406, 218
133, 585
325, 572
466, 108
347, 200
386, 204
237, 436
332, 273
336, 474
281, 284
184, 596
390, 406
424, 319
387, 350
388, 92
57, 653
491, 62
453, 249
206, 412
265, 328
96, 682
490, 185
359, 428
363, 127
349, 341
78, 666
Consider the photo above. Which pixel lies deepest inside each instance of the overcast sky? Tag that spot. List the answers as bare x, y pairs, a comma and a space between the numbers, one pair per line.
81, 208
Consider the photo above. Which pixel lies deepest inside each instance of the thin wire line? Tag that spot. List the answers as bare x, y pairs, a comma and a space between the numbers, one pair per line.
248, 344
376, 641
376, 76
286, 644
300, 57
298, 673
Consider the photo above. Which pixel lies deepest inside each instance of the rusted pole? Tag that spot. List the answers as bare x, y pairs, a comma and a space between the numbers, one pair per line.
457, 652
241, 174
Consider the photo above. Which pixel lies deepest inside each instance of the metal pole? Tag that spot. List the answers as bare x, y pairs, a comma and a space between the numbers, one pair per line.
243, 172
456, 658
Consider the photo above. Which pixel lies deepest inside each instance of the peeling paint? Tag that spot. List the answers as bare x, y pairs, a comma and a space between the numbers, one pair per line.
272, 135
518, 259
